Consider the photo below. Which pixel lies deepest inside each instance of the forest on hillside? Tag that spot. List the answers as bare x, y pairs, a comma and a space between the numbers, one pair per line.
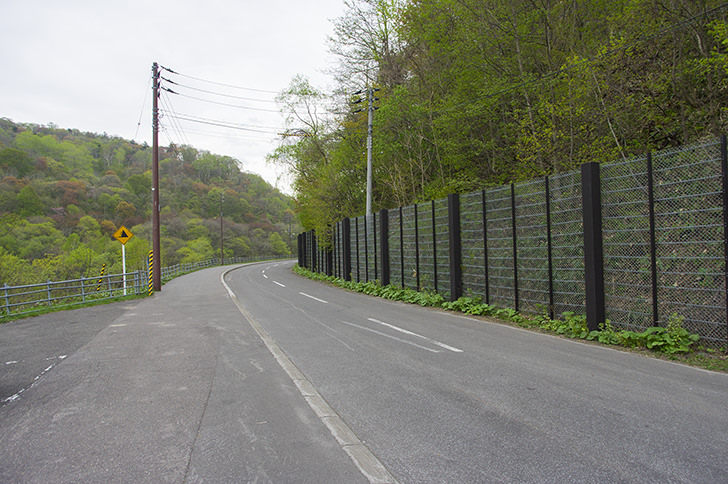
478, 93
64, 193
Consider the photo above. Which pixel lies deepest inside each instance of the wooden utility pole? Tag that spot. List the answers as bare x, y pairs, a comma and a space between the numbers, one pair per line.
156, 269
222, 252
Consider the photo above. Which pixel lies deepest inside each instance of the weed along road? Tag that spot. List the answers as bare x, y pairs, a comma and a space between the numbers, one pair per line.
254, 374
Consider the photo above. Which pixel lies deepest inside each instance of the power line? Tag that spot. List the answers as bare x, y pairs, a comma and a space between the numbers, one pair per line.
225, 122
229, 135
221, 124
177, 127
224, 104
146, 96
219, 93
218, 83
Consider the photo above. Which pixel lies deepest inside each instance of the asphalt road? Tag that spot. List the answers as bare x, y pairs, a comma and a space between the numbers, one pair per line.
175, 388
268, 377
442, 398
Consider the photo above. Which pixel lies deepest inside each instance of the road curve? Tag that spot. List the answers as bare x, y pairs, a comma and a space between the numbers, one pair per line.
254, 374
439, 397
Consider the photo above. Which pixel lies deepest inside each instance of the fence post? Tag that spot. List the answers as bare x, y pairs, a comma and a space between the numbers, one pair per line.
301, 262
515, 247
314, 251
724, 168
366, 248
346, 248
329, 253
434, 245
653, 244
401, 245
417, 249
384, 244
374, 243
358, 276
549, 247
485, 248
593, 252
456, 266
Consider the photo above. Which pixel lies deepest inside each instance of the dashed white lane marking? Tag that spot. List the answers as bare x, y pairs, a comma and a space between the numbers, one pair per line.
12, 398
402, 330
314, 298
278, 283
391, 337
367, 463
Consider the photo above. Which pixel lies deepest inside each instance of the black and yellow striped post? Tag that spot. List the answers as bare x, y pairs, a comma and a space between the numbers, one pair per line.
101, 277
151, 276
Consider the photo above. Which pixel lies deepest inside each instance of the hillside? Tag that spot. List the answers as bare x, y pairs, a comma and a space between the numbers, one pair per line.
63, 193
479, 93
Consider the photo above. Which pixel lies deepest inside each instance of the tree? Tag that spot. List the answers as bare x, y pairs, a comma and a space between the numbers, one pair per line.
29, 202
277, 245
14, 162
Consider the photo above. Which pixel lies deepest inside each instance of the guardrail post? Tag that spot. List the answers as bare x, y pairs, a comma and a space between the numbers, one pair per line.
48, 286
593, 251
384, 244
456, 266
7, 299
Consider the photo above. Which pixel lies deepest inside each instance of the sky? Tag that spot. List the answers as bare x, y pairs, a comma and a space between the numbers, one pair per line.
87, 65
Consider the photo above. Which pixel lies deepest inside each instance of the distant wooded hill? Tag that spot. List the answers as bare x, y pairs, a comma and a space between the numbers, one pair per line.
63, 193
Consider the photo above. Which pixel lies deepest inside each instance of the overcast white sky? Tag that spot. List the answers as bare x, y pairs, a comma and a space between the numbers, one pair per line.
86, 64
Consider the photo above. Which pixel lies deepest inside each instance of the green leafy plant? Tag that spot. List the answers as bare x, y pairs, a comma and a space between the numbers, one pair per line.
670, 340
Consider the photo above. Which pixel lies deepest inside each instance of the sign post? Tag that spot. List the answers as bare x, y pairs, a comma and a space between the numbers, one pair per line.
123, 235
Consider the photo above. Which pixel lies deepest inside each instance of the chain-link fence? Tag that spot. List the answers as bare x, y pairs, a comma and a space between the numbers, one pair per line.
662, 237
664, 241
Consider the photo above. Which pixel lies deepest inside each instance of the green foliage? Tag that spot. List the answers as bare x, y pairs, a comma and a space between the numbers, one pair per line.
671, 340
63, 193
475, 94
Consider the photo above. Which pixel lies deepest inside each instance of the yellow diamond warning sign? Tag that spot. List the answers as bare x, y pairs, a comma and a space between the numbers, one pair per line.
123, 235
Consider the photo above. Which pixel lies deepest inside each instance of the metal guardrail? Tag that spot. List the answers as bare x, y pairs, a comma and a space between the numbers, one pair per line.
16, 300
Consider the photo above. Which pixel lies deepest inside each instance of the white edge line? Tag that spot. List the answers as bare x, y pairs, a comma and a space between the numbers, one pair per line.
360, 455
402, 330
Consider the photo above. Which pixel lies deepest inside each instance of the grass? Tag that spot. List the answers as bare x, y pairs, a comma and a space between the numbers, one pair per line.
65, 307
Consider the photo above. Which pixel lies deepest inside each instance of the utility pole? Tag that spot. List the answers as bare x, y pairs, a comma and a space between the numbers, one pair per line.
222, 253
156, 267
370, 132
